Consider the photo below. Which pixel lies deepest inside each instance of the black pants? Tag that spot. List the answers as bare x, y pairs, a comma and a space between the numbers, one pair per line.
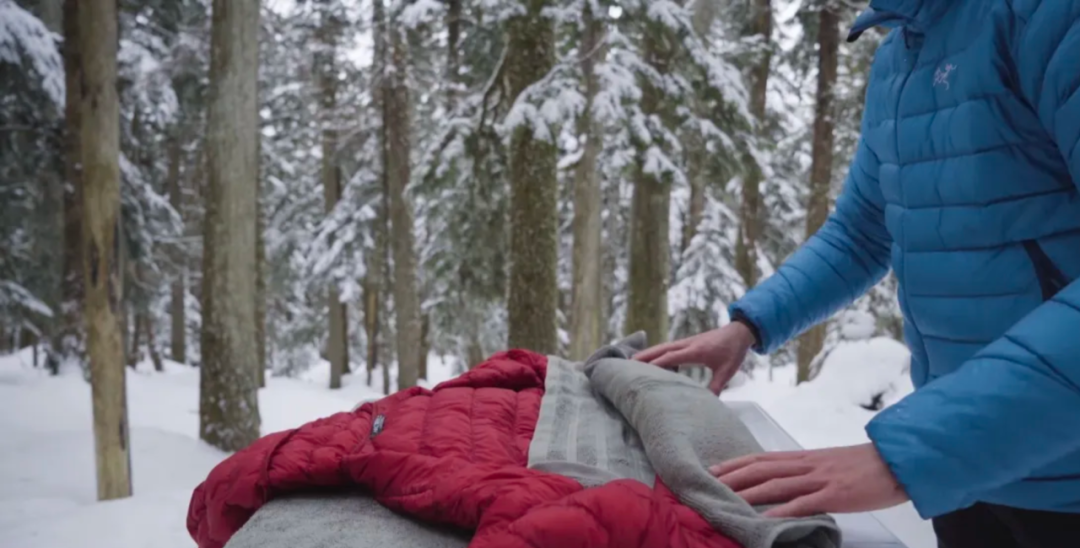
990, 526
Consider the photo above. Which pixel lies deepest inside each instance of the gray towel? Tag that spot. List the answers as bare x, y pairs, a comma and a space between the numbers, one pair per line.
580, 435
338, 521
685, 429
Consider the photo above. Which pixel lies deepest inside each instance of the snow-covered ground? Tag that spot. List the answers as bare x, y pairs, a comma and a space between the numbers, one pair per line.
47, 491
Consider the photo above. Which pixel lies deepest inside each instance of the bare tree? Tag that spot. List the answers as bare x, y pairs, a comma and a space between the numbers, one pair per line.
66, 338
586, 330
746, 256
396, 124
337, 348
99, 114
177, 290
228, 389
817, 205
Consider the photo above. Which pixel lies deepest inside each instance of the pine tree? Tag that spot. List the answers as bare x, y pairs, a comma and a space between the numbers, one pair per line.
228, 403
99, 141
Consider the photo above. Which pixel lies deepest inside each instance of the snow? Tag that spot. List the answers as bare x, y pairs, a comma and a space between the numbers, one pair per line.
46, 452
23, 34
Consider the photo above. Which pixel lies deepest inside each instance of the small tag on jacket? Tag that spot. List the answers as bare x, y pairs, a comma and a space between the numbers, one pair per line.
377, 426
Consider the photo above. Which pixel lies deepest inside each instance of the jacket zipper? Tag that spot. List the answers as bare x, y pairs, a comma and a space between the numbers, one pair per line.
1051, 280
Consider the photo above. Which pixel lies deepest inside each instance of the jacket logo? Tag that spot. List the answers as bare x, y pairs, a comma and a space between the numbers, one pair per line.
377, 427
941, 75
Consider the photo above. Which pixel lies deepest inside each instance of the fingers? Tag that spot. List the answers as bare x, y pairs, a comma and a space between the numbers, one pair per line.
675, 358
650, 354
732, 465
781, 490
762, 473
807, 505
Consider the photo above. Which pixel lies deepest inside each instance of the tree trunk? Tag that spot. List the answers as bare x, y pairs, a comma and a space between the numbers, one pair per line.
371, 315
177, 309
695, 173
260, 270
67, 341
151, 344
260, 292
51, 13
228, 403
817, 205
425, 344
100, 154
136, 337
453, 37
396, 120
374, 279
646, 306
533, 301
326, 70
746, 256
475, 352
586, 331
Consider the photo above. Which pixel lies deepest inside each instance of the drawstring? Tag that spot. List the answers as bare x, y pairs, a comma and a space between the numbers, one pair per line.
907, 36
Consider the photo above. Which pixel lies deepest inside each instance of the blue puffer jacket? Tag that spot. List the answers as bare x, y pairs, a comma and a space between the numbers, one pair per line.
966, 181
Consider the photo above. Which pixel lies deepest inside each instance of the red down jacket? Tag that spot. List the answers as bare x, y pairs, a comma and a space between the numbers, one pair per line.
455, 455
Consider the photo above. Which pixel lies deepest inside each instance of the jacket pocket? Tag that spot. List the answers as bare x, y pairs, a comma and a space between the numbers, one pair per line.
1051, 280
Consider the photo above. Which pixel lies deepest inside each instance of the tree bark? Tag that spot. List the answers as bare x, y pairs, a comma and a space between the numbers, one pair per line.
228, 403
586, 331
371, 315
260, 292
817, 205
402, 240
746, 256
136, 337
151, 345
374, 278
425, 344
67, 341
533, 301
177, 309
453, 37
337, 340
650, 248
100, 154
695, 171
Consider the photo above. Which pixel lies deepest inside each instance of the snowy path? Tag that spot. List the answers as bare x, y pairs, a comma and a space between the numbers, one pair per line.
47, 493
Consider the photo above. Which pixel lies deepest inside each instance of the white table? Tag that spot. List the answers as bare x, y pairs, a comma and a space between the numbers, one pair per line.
859, 530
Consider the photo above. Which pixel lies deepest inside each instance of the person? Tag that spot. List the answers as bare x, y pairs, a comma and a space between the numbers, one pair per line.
965, 180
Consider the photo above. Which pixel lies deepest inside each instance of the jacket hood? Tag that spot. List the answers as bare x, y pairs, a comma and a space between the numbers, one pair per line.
917, 14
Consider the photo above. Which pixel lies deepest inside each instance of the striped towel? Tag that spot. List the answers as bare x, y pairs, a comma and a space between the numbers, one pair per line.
581, 436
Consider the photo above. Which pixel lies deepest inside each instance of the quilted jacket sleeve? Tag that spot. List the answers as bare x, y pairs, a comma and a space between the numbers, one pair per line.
845, 258
1015, 406
307, 457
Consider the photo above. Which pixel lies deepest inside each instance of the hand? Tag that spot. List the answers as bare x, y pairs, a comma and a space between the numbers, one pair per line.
721, 350
804, 483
